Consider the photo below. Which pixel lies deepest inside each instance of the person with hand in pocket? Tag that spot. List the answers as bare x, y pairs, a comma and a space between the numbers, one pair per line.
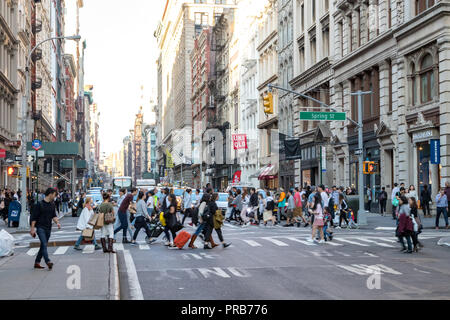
140, 216
41, 225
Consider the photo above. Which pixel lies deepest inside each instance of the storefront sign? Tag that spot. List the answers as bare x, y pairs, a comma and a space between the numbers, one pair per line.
13, 143
422, 135
435, 151
2, 153
239, 141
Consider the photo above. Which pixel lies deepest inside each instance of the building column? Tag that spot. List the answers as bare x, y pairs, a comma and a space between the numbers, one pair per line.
444, 112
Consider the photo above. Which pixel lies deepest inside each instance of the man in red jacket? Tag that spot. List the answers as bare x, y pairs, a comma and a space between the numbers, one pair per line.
122, 213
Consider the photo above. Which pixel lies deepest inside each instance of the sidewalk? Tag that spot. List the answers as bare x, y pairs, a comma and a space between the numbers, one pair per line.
16, 231
375, 220
98, 278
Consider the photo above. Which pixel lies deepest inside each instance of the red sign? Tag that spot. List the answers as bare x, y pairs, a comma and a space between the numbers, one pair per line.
237, 176
239, 141
16, 143
2, 153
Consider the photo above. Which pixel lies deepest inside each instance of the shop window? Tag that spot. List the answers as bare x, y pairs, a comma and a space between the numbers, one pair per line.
427, 79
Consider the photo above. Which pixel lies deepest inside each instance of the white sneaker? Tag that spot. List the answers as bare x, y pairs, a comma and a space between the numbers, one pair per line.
167, 243
310, 240
337, 227
322, 241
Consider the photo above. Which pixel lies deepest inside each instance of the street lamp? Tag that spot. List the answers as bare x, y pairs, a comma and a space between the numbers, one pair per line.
23, 223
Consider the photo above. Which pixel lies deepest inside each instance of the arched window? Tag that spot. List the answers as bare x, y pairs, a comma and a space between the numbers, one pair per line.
427, 79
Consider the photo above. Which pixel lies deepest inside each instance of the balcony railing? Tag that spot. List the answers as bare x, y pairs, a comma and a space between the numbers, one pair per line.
37, 55
37, 84
36, 26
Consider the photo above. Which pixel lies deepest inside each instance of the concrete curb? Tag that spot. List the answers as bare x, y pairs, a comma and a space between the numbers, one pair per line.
444, 242
37, 244
114, 284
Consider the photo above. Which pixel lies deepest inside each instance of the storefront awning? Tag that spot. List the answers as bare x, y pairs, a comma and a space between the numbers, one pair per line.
269, 172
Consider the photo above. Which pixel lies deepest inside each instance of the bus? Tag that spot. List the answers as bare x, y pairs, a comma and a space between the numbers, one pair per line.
146, 183
122, 182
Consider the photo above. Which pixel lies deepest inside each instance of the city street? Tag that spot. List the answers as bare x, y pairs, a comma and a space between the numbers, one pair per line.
268, 263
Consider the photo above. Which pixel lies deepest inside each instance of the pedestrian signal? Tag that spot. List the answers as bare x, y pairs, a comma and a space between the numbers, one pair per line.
13, 171
268, 103
370, 167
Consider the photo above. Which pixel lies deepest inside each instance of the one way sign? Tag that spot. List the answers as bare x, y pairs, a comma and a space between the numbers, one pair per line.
30, 158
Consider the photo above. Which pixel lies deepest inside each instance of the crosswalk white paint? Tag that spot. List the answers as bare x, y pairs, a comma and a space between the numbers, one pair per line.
277, 242
252, 243
89, 248
334, 244
376, 242
352, 242
301, 241
118, 246
144, 247
33, 251
61, 250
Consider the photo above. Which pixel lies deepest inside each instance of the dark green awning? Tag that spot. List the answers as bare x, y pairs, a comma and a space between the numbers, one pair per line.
59, 148
67, 164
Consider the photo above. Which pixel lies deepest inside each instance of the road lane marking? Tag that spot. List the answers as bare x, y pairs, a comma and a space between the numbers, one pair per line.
133, 281
333, 243
118, 246
32, 251
61, 250
252, 243
384, 239
352, 242
277, 242
322, 253
376, 242
89, 248
301, 241
216, 271
385, 228
144, 247
342, 253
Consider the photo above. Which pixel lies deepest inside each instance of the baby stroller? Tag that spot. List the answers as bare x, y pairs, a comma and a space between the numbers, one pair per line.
156, 228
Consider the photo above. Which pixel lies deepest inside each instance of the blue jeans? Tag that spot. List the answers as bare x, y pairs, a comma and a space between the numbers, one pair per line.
44, 235
442, 210
123, 223
81, 239
325, 233
65, 207
200, 228
117, 225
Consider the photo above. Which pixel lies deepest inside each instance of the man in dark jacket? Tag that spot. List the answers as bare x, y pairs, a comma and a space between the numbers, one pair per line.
425, 198
122, 214
382, 198
41, 225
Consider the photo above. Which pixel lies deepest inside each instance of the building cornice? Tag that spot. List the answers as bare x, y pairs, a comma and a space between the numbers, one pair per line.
265, 83
267, 40
8, 30
312, 72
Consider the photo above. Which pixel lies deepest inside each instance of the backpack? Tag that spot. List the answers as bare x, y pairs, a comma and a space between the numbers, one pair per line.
65, 197
206, 214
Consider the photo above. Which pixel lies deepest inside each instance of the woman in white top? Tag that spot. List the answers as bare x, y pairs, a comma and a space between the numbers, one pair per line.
82, 223
411, 192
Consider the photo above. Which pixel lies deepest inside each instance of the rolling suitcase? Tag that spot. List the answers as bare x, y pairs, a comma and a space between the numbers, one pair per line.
181, 239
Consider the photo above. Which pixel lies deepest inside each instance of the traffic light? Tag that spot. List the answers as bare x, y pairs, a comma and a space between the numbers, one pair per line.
370, 167
13, 171
268, 103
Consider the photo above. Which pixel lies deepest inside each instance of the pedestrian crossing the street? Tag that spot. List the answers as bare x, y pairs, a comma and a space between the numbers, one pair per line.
356, 241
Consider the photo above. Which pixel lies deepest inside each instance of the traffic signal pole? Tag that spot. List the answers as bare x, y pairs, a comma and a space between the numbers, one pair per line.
362, 217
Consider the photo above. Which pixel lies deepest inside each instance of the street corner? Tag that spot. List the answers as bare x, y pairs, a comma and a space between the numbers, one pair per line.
73, 276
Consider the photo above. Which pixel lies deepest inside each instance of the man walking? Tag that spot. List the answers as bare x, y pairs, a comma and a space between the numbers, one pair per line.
382, 197
41, 224
122, 213
65, 201
425, 198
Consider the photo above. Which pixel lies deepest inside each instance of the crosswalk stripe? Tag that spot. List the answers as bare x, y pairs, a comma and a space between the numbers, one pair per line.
301, 241
144, 247
372, 241
61, 250
89, 248
252, 243
342, 253
118, 246
32, 251
352, 242
333, 243
277, 242
384, 239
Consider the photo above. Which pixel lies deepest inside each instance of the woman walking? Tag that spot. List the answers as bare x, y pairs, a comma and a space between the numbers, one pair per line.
269, 205
82, 224
215, 221
171, 219
343, 210
405, 225
107, 230
318, 219
203, 206
417, 224
141, 214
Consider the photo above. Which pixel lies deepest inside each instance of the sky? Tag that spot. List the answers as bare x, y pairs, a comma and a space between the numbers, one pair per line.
120, 57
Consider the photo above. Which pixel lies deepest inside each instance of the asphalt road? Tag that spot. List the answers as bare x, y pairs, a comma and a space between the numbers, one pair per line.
276, 263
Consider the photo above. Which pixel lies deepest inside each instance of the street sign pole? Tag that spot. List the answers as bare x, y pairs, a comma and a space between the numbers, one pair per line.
362, 217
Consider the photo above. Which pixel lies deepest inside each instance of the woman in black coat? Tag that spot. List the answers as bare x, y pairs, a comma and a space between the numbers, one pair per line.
212, 207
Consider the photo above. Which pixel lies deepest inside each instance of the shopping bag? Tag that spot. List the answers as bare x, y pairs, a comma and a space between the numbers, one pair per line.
93, 220
6, 244
100, 220
88, 234
110, 218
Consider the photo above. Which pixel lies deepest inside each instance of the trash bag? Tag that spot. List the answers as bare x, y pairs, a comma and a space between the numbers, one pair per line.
6, 244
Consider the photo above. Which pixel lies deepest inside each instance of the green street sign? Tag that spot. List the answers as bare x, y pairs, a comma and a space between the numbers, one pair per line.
322, 116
